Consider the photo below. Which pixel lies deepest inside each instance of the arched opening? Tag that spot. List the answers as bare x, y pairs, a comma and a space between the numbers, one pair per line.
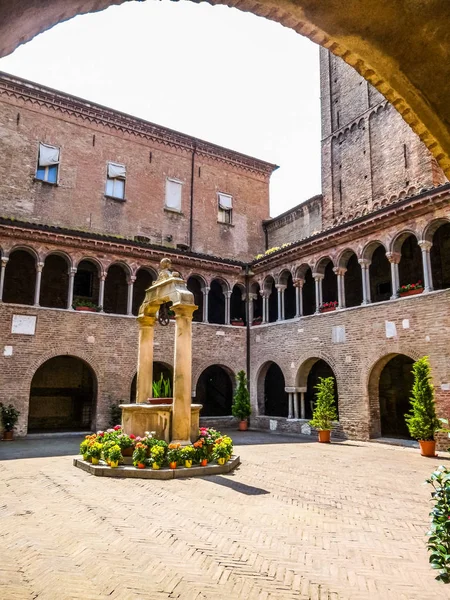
276, 403
257, 301
55, 282
312, 370
196, 286
20, 278
353, 282
309, 294
392, 382
216, 302
289, 295
86, 282
62, 396
116, 291
272, 302
144, 279
237, 306
329, 283
215, 392
410, 267
380, 276
440, 257
159, 369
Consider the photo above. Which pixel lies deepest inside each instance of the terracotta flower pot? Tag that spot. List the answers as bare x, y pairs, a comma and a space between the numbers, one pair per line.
173, 465
324, 436
128, 451
204, 462
411, 293
160, 400
141, 465
328, 309
243, 425
85, 309
8, 436
427, 447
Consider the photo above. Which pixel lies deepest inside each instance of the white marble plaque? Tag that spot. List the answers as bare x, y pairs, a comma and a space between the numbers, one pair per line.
273, 424
391, 329
23, 324
8, 351
338, 334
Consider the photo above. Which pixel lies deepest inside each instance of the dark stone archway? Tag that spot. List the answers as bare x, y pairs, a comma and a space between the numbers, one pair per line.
319, 369
215, 392
394, 389
20, 278
275, 398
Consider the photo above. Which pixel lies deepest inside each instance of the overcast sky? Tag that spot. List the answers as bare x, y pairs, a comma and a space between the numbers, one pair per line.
210, 71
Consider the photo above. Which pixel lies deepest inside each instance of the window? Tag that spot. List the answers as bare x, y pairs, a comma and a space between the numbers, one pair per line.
115, 181
173, 194
83, 283
48, 163
225, 208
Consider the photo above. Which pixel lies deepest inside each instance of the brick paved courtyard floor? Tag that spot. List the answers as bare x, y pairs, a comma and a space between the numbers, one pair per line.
296, 520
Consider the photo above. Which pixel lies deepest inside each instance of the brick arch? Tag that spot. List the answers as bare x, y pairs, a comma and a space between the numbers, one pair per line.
34, 253
370, 248
306, 364
101, 268
397, 242
200, 367
322, 263
60, 253
344, 257
432, 227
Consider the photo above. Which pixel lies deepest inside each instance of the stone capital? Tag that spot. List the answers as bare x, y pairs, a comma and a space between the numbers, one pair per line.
252, 296
425, 245
340, 271
393, 257
146, 321
131, 279
227, 294
4, 261
186, 310
318, 276
39, 267
72, 271
280, 287
205, 290
298, 283
364, 262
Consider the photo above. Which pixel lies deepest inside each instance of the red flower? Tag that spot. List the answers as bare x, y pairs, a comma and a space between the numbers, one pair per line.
132, 437
117, 427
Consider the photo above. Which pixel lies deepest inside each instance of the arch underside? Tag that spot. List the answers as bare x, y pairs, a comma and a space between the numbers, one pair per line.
381, 48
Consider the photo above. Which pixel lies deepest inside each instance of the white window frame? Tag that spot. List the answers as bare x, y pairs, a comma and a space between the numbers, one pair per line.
180, 183
113, 180
224, 215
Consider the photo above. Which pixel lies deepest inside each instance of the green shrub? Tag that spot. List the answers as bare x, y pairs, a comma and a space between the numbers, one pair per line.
439, 534
241, 402
422, 421
324, 409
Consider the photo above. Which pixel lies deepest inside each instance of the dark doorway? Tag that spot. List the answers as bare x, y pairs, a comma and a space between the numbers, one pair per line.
394, 388
276, 400
380, 276
215, 392
237, 305
410, 267
55, 282
20, 278
329, 284
62, 396
143, 281
289, 299
159, 369
86, 282
116, 291
353, 283
257, 303
440, 258
216, 303
273, 299
318, 370
309, 294
195, 286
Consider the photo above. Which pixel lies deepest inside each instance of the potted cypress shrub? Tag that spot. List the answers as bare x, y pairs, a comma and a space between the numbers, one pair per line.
10, 416
324, 410
241, 402
421, 420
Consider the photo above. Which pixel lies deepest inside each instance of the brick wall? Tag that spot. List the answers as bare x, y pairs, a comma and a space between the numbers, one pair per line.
293, 225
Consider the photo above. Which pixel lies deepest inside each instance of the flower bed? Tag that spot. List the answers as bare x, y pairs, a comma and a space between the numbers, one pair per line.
328, 306
148, 452
411, 289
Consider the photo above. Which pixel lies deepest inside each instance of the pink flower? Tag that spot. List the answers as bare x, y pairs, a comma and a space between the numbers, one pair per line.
117, 427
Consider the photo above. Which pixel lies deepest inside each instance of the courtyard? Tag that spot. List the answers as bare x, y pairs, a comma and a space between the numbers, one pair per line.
296, 520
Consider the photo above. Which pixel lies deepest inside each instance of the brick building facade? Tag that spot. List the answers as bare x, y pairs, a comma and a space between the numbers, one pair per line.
126, 193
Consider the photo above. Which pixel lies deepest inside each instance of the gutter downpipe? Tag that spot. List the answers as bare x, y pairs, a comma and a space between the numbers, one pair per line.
191, 217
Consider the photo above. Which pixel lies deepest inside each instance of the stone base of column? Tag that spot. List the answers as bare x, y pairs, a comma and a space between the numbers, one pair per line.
139, 418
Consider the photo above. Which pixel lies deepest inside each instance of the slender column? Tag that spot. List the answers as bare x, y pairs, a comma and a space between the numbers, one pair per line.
130, 282
182, 376
291, 406
72, 272
101, 292
426, 263
394, 259
37, 288
365, 279
318, 278
295, 405
280, 289
298, 284
145, 359
340, 272
2, 275
251, 307
265, 312
205, 291
227, 307
302, 406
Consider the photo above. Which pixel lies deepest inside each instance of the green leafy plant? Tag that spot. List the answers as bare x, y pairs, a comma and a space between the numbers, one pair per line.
324, 409
173, 453
158, 455
187, 453
115, 414
85, 303
439, 534
115, 455
409, 287
9, 415
140, 454
422, 421
221, 450
95, 450
162, 388
241, 402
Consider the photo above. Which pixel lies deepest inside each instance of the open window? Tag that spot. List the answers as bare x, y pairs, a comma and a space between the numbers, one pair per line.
225, 202
48, 163
115, 181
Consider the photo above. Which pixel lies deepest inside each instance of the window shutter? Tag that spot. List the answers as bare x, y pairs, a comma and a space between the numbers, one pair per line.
48, 155
173, 194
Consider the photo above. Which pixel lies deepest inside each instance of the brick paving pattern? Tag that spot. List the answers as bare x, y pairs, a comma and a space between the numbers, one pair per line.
298, 520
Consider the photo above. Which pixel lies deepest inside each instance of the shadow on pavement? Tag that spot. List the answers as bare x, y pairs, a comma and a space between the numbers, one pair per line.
40, 447
237, 486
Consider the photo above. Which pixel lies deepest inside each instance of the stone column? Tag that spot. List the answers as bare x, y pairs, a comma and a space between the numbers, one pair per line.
227, 307
101, 291
302, 406
298, 284
205, 291
37, 288
72, 272
291, 405
340, 272
144, 383
296, 413
365, 276
318, 278
394, 259
280, 290
130, 282
182, 375
265, 311
426, 263
251, 307
2, 275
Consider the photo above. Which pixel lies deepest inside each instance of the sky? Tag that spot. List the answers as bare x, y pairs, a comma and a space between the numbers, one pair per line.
213, 72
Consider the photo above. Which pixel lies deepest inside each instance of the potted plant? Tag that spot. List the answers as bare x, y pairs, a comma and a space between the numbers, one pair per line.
187, 455
115, 456
324, 409
95, 452
140, 456
126, 443
328, 306
220, 452
421, 420
84, 447
237, 322
201, 452
241, 402
173, 455
10, 416
162, 392
257, 321
439, 534
85, 305
411, 289
157, 456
